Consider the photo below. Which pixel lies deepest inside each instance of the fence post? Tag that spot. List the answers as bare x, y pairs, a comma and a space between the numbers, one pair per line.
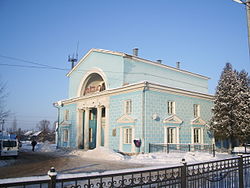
184, 174
167, 148
52, 174
213, 148
189, 147
149, 149
241, 178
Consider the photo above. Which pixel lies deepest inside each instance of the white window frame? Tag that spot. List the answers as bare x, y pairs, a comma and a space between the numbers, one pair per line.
196, 110
176, 132
171, 107
197, 136
65, 135
171, 135
127, 136
128, 106
66, 115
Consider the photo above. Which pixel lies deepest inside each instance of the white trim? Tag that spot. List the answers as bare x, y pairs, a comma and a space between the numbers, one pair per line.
173, 119
140, 86
126, 119
175, 134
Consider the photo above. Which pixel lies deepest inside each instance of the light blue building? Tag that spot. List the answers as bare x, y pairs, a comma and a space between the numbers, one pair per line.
115, 98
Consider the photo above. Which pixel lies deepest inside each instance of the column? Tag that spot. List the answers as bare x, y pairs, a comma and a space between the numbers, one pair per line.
86, 129
99, 127
80, 128
106, 131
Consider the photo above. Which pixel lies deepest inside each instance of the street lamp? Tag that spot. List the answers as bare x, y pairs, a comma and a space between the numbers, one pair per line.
57, 105
247, 4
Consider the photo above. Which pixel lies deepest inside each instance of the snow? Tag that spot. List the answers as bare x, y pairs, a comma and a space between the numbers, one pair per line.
102, 153
99, 153
151, 159
241, 150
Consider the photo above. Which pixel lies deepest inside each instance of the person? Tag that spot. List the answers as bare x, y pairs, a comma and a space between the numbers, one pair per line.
33, 143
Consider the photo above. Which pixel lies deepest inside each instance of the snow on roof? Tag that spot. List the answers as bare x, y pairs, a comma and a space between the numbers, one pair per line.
36, 133
28, 133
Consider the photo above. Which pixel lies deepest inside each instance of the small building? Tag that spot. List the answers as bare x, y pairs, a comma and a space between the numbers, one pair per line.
115, 98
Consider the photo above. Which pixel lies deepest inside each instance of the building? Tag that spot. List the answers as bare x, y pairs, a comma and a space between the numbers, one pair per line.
116, 98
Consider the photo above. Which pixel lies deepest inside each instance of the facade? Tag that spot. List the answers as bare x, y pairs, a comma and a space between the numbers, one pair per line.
116, 98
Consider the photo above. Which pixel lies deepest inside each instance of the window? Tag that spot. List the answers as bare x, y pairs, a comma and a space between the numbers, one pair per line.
170, 135
196, 110
128, 107
66, 115
128, 136
171, 107
65, 135
197, 135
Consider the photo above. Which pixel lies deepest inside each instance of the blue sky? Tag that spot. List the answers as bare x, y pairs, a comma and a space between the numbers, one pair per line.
202, 35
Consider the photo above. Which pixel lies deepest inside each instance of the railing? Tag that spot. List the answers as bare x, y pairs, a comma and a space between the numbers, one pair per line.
181, 147
230, 173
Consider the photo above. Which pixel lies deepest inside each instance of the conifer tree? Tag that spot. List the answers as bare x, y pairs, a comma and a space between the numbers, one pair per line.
243, 110
224, 122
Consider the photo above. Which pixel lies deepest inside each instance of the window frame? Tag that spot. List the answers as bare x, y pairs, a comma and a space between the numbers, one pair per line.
127, 135
196, 110
197, 135
66, 115
128, 106
171, 107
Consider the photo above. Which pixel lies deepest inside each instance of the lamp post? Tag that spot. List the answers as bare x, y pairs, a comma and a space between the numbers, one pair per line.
57, 105
247, 4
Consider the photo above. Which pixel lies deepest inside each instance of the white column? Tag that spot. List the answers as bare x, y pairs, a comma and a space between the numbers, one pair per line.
106, 135
99, 127
86, 129
79, 127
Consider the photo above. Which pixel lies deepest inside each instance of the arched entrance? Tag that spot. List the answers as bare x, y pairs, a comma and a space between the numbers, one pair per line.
93, 112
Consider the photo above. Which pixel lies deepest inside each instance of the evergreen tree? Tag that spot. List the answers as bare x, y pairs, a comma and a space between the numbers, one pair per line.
224, 122
243, 110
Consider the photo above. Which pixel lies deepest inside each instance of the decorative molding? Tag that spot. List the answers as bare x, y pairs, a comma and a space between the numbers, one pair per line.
198, 121
125, 119
173, 119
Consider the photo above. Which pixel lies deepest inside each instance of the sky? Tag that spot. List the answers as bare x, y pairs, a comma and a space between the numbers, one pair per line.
202, 35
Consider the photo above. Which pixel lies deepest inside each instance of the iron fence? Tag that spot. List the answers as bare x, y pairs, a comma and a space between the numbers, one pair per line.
181, 147
227, 173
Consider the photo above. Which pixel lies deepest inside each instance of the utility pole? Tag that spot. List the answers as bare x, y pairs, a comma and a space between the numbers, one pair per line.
247, 4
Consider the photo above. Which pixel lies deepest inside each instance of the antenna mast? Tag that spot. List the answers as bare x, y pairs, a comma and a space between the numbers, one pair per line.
73, 59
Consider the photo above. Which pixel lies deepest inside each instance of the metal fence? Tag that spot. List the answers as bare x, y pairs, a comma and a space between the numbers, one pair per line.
181, 147
228, 173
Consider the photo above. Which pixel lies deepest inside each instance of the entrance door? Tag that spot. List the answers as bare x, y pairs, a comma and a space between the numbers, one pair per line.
92, 128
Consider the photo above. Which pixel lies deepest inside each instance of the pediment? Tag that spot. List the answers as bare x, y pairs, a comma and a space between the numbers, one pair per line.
173, 119
126, 119
198, 121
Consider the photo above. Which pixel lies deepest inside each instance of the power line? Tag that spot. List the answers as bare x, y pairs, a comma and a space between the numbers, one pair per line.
44, 66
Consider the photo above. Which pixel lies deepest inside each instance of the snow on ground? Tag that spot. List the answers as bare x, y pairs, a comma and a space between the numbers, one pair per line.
160, 158
241, 149
99, 153
149, 159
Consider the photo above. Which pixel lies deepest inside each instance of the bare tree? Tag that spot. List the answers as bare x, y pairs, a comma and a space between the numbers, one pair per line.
43, 125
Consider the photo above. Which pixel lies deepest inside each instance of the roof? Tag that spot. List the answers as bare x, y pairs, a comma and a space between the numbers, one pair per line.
134, 58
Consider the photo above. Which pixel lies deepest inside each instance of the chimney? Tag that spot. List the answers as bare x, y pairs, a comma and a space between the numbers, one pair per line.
178, 65
159, 61
135, 52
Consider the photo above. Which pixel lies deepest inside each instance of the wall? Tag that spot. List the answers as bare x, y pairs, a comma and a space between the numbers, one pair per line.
70, 125
111, 65
117, 111
136, 71
156, 102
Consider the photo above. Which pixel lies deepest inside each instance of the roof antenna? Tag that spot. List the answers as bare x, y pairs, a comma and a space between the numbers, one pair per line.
73, 59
